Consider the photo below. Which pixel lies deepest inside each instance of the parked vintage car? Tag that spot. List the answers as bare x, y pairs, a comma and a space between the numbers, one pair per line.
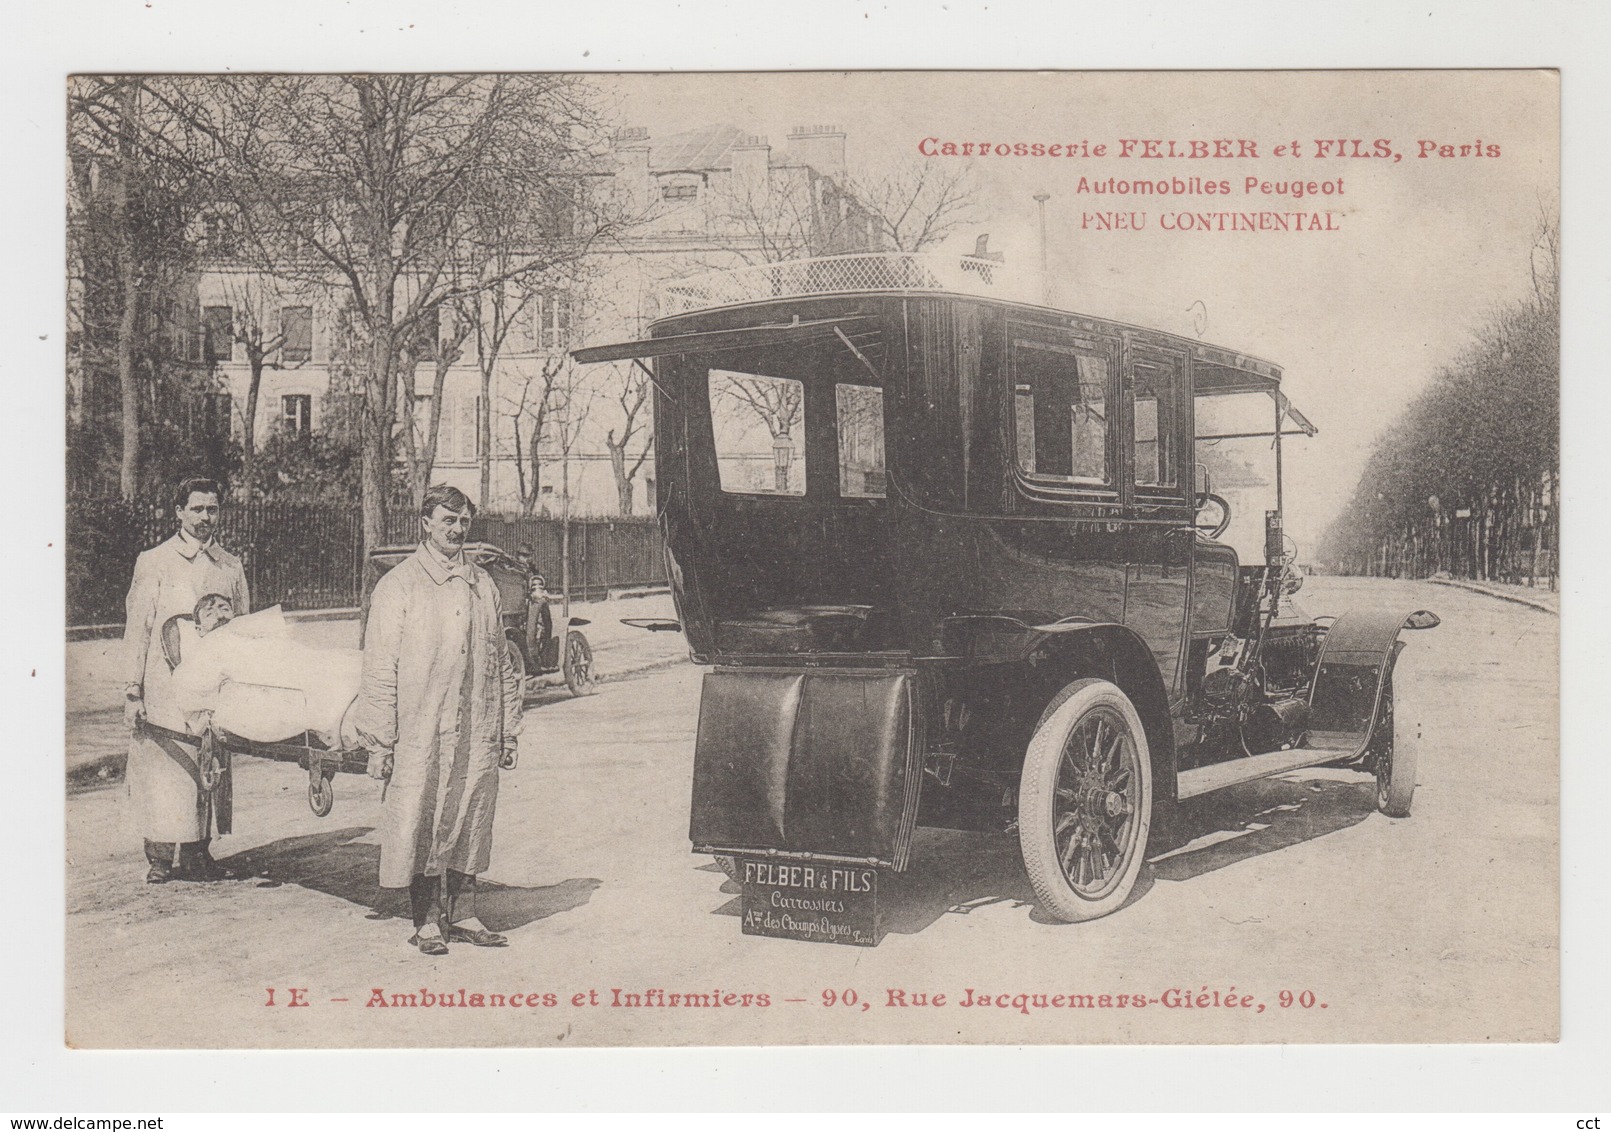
960, 555
542, 655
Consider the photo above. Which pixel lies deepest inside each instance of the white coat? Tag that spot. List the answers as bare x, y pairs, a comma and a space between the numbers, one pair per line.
440, 693
163, 778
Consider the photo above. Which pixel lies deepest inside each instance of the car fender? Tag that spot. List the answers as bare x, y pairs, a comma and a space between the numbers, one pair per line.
1119, 655
1351, 674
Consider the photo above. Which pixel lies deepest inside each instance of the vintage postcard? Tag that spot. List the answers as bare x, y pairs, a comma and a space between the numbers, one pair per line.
812, 558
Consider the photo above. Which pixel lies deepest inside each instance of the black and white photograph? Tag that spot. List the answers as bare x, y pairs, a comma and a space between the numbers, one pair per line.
772, 558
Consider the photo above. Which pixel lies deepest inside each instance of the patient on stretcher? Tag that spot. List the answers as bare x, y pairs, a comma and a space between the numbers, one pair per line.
257, 681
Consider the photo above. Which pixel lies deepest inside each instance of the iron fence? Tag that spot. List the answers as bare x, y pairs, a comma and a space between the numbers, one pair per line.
310, 555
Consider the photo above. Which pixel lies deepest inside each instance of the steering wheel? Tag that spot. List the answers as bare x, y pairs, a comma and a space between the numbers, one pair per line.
1209, 526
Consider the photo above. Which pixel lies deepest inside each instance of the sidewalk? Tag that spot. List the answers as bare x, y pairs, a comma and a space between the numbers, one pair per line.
97, 741
1546, 601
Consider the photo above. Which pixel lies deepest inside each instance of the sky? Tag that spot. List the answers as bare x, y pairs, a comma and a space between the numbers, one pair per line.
1360, 317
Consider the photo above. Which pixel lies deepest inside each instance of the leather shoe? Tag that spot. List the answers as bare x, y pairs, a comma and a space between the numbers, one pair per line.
429, 944
475, 937
158, 873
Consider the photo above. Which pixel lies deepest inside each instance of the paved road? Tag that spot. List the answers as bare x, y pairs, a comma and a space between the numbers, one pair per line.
1439, 927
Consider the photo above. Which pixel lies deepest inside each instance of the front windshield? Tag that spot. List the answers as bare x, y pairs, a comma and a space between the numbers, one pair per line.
1240, 468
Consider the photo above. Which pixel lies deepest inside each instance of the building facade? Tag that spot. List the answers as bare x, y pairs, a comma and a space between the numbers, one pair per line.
699, 200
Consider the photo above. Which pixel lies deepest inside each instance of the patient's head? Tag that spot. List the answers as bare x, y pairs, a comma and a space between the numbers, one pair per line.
213, 611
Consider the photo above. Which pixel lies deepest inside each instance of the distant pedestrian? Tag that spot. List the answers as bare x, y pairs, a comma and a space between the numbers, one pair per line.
174, 812
440, 701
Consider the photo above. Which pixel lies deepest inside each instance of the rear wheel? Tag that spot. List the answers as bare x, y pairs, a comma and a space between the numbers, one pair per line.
578, 664
1085, 802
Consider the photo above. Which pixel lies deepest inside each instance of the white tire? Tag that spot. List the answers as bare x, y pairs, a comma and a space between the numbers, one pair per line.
1085, 802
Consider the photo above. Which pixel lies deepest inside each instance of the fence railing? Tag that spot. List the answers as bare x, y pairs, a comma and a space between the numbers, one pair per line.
310, 555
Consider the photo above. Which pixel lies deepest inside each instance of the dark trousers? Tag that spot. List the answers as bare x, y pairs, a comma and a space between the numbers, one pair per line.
428, 896
178, 856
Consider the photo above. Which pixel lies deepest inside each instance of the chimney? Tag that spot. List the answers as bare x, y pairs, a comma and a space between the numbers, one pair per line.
632, 158
752, 160
822, 148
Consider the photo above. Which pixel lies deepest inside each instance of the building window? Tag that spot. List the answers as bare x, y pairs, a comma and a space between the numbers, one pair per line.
296, 330
296, 414
218, 334
551, 315
427, 333
458, 432
686, 191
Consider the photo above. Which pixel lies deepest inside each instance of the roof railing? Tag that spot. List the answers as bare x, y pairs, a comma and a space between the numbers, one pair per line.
928, 273
860, 273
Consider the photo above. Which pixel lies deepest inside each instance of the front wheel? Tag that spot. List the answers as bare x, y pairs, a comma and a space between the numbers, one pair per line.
1396, 760
578, 665
1085, 802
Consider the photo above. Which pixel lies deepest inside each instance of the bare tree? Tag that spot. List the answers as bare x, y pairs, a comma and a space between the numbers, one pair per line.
379, 186
136, 174
917, 203
420, 436
631, 395
255, 302
542, 389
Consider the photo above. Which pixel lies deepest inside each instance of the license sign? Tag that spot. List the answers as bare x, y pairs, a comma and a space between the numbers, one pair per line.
811, 900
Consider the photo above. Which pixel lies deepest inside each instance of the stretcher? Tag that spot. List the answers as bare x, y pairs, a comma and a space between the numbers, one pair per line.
216, 748
216, 745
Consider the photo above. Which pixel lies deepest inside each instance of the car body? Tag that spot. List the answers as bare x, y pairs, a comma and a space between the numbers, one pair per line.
953, 552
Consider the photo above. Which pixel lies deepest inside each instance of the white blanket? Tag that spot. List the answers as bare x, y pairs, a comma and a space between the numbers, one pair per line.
262, 685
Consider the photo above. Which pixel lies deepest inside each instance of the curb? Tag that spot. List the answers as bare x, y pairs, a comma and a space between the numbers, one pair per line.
1473, 587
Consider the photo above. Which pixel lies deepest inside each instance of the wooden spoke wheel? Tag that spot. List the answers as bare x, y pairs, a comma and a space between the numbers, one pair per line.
1396, 757
1085, 802
578, 665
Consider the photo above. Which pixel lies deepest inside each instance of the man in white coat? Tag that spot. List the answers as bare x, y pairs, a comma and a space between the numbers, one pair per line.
173, 811
440, 702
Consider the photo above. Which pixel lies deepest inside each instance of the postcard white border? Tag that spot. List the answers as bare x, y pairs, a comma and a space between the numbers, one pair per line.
166, 35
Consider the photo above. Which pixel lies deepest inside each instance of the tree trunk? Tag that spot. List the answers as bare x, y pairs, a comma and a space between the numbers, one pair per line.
534, 487
128, 315
623, 482
254, 388
484, 433
375, 451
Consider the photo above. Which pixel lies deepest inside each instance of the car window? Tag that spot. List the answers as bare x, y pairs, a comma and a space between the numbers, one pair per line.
759, 425
1060, 412
860, 411
1154, 425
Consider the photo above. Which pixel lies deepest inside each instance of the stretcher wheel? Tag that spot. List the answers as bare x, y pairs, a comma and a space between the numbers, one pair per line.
321, 795
207, 761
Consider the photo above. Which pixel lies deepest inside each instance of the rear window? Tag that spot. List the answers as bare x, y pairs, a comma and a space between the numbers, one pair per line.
759, 425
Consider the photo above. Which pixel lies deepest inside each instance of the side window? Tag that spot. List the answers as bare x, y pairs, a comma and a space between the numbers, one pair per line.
1060, 412
759, 424
1155, 396
861, 441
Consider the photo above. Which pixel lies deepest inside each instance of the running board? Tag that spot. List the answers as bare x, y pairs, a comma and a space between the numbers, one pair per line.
1204, 779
